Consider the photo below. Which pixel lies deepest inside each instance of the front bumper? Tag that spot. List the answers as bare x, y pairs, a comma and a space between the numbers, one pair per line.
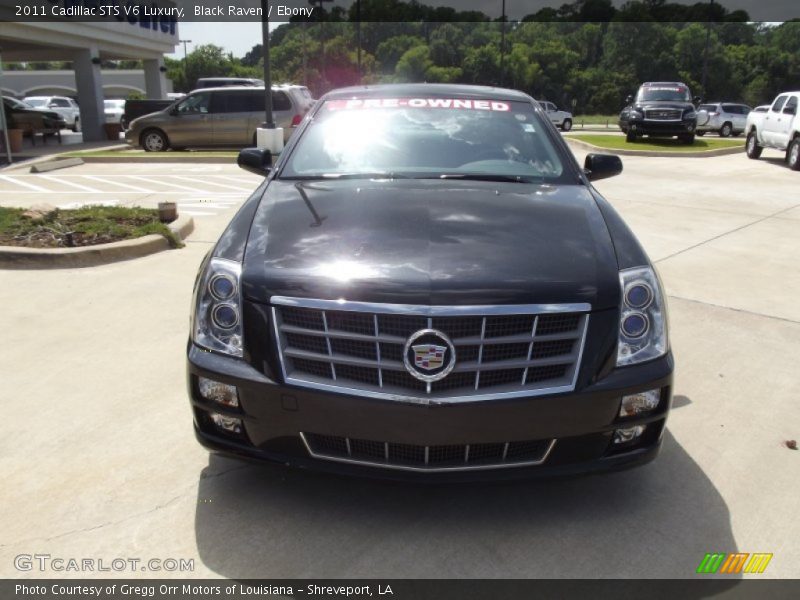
582, 422
662, 128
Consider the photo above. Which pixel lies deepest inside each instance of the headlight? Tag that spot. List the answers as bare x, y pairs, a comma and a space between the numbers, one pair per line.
690, 115
643, 317
217, 320
636, 114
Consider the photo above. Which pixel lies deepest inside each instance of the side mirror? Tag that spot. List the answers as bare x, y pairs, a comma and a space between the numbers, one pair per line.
628, 99
697, 99
52, 105
600, 166
790, 110
255, 160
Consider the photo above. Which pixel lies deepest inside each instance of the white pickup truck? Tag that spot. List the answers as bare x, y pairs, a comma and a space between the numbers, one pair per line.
778, 128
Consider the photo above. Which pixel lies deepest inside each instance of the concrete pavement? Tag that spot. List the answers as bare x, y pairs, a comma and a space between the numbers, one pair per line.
98, 457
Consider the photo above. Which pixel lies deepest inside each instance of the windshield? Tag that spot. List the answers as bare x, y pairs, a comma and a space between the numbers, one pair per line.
424, 137
664, 93
36, 102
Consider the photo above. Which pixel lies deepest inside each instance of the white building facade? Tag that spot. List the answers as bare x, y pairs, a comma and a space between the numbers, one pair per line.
85, 45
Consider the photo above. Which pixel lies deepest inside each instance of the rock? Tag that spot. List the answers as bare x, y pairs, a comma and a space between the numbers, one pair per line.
39, 212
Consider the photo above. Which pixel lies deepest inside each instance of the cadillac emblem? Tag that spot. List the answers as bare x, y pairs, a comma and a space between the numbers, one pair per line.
429, 355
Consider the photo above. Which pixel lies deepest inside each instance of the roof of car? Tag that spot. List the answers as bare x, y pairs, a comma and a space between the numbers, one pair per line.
429, 89
649, 83
231, 88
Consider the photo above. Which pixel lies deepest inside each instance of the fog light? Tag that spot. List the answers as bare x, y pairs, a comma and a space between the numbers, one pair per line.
630, 434
642, 402
229, 424
218, 392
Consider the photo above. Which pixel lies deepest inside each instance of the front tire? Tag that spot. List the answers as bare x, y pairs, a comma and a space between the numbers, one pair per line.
751, 146
566, 125
76, 126
793, 155
630, 137
687, 139
154, 140
726, 130
700, 133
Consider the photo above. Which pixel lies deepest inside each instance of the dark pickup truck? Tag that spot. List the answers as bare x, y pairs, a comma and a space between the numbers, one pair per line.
138, 108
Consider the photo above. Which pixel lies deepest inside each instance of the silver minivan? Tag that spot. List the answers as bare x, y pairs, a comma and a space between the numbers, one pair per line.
225, 116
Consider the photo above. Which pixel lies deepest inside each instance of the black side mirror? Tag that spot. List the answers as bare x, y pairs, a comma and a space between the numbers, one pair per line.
790, 110
255, 160
697, 99
628, 99
600, 166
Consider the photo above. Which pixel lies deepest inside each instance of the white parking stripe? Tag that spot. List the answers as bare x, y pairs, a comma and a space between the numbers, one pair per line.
113, 182
17, 181
227, 186
162, 182
70, 183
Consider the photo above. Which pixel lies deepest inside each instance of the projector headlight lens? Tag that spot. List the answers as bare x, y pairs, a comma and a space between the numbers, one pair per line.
216, 320
643, 317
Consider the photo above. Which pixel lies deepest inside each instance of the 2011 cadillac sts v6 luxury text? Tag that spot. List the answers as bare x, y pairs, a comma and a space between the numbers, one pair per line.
426, 285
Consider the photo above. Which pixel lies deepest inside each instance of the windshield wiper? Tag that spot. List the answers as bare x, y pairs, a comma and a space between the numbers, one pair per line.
302, 191
491, 177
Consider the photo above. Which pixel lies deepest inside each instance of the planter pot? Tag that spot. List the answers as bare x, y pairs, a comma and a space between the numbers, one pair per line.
167, 212
112, 130
15, 140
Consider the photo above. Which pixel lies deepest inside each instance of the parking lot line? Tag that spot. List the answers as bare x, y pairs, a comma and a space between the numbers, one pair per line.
206, 180
17, 181
162, 182
65, 181
114, 182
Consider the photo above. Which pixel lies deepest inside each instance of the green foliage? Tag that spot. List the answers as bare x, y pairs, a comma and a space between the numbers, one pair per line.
551, 55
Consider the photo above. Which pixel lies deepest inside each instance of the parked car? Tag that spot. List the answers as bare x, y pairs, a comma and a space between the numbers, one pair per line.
140, 108
660, 109
214, 82
66, 107
21, 115
559, 118
724, 118
114, 110
777, 128
226, 116
427, 285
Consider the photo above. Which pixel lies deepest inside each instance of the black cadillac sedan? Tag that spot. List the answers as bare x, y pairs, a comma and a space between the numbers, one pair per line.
427, 285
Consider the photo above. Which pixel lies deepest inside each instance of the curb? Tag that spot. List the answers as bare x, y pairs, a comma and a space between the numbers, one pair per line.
664, 154
13, 257
37, 160
52, 165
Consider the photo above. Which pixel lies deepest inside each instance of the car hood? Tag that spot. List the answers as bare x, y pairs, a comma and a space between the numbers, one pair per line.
431, 242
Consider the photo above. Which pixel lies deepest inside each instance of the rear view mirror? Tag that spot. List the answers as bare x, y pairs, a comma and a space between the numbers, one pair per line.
255, 160
600, 166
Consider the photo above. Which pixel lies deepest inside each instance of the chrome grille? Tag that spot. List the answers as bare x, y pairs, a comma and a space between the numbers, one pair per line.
455, 457
357, 348
663, 114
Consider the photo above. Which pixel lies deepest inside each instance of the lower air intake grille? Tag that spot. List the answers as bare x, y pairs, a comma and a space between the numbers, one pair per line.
428, 458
